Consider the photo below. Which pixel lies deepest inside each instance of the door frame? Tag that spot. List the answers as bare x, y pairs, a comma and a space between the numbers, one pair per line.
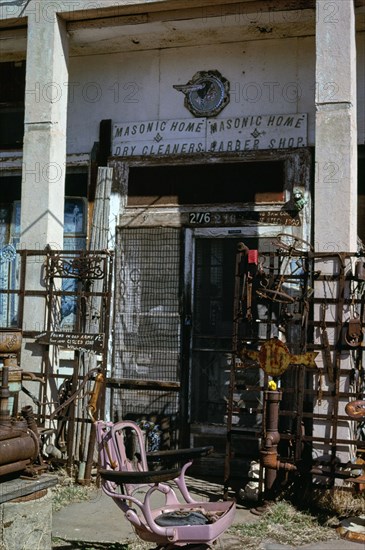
189, 246
297, 173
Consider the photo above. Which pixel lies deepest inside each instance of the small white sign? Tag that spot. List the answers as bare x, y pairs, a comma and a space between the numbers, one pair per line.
198, 135
159, 137
257, 132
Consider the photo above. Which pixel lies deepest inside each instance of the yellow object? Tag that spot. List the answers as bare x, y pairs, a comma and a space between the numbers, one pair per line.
274, 357
272, 385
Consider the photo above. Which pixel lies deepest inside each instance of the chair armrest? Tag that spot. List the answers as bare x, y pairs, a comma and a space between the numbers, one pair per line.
139, 477
179, 455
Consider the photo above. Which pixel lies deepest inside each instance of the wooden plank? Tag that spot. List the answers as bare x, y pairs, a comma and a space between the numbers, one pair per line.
72, 340
17, 488
108, 22
162, 11
129, 383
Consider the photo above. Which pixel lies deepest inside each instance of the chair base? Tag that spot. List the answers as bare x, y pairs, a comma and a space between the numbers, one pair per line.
187, 547
185, 535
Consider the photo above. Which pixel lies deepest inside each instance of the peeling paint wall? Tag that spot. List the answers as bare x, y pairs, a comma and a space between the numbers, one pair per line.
266, 77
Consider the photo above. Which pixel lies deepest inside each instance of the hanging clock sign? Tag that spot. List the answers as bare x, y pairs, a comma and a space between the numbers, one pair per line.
206, 94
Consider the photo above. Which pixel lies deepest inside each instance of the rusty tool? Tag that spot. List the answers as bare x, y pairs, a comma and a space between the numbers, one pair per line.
94, 395
75, 394
354, 333
326, 345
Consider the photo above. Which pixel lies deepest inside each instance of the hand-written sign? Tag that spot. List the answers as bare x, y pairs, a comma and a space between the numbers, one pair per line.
72, 340
236, 218
199, 135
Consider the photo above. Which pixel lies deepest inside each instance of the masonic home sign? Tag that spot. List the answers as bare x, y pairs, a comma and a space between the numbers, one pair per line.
199, 135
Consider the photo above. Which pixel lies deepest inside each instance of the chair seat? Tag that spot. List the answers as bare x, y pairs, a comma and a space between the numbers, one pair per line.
182, 518
220, 516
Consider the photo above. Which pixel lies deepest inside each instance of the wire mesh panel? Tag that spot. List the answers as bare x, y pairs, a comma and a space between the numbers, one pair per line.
147, 319
9, 264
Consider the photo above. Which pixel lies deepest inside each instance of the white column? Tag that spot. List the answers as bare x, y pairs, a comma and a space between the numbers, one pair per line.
335, 196
43, 170
44, 152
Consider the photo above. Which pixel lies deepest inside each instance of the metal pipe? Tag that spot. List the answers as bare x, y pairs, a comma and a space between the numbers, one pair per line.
269, 454
4, 395
14, 467
28, 415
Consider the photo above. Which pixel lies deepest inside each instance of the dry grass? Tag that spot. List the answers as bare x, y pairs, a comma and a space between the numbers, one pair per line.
283, 524
339, 501
67, 491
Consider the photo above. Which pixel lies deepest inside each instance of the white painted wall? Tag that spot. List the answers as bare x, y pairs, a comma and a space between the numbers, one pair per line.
266, 77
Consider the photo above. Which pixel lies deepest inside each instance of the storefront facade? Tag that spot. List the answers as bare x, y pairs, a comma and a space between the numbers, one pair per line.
210, 118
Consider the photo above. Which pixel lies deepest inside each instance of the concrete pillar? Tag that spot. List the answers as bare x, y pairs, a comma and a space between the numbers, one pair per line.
335, 196
44, 152
335, 205
44, 161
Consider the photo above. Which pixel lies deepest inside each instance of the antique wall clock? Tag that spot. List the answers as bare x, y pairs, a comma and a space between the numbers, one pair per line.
206, 94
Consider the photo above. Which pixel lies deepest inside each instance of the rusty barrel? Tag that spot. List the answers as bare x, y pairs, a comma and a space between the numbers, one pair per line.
18, 448
10, 341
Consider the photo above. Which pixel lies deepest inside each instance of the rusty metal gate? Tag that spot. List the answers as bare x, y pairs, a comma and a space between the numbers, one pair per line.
71, 291
319, 303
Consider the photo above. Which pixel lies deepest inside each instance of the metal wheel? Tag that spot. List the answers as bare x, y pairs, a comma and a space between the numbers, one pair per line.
290, 242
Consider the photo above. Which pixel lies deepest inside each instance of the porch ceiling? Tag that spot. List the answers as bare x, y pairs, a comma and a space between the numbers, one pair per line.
147, 33
166, 24
208, 23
